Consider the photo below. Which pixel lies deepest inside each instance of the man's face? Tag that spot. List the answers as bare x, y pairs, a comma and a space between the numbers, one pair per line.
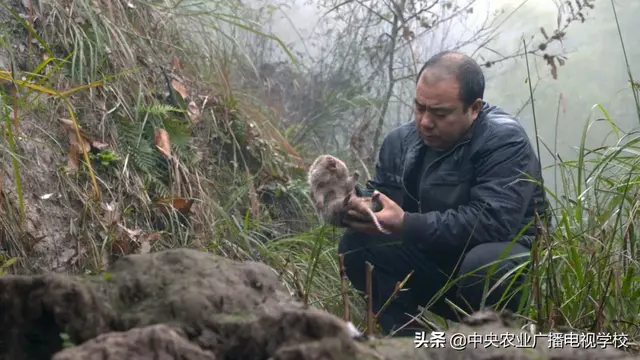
439, 112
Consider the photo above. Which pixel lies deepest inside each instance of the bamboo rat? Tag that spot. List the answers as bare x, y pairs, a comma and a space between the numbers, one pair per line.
331, 188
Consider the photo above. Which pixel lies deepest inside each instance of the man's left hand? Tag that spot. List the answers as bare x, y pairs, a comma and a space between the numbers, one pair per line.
391, 217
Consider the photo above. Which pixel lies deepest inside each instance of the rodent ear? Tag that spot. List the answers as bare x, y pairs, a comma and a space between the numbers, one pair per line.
331, 163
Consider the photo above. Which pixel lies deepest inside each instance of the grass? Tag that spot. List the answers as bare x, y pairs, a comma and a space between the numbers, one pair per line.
108, 70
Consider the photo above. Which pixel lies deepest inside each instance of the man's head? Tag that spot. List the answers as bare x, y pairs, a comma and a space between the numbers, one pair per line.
449, 92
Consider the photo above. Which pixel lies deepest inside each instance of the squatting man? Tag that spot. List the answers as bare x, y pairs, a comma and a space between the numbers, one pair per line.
457, 191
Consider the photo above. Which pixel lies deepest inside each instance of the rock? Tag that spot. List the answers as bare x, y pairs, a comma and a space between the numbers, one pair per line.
485, 325
191, 305
148, 343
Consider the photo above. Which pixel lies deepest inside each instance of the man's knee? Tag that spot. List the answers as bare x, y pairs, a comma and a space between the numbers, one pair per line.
493, 258
352, 247
492, 262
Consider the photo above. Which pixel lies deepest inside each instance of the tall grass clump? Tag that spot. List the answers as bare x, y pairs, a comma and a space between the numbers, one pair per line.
182, 153
584, 268
587, 274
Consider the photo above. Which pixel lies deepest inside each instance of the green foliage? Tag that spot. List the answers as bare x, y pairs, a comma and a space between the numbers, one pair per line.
586, 273
66, 341
137, 139
106, 157
5, 263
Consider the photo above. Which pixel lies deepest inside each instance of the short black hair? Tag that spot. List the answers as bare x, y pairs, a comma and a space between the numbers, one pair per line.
466, 70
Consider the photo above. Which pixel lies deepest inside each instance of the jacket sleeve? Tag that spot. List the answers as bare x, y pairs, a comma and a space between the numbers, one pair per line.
387, 165
498, 199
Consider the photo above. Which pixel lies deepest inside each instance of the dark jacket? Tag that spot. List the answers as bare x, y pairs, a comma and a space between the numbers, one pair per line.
477, 191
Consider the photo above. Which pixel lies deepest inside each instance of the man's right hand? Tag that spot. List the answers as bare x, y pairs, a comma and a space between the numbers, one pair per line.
355, 215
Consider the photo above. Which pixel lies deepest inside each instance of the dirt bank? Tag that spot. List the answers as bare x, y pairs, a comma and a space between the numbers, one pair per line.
186, 304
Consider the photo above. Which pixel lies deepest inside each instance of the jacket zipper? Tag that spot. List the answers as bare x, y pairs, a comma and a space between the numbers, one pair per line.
404, 167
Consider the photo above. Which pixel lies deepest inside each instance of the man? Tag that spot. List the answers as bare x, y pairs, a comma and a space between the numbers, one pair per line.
457, 189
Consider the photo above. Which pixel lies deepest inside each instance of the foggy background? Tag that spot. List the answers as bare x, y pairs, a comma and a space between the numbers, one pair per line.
594, 72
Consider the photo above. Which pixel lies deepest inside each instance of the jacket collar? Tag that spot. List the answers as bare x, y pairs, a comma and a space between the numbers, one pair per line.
414, 141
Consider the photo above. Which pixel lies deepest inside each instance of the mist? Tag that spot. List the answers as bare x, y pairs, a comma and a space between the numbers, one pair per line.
594, 73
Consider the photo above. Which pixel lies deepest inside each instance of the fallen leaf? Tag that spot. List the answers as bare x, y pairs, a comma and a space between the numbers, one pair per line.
121, 245
1, 193
145, 247
105, 259
46, 196
99, 145
163, 143
133, 234
111, 213
77, 145
194, 112
181, 89
176, 63
146, 240
181, 205
67, 124
253, 197
72, 161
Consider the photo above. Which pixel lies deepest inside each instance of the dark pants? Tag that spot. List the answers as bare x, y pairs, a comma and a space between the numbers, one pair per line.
393, 260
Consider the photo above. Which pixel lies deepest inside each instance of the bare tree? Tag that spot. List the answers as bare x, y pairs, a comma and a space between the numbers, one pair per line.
392, 40
365, 64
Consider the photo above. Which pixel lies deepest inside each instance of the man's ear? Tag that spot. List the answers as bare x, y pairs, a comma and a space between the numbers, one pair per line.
475, 108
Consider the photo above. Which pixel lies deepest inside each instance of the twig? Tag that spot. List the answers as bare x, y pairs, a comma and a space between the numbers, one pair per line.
399, 286
370, 319
343, 286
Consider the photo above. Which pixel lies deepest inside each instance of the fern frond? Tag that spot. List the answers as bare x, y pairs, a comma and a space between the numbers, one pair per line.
159, 109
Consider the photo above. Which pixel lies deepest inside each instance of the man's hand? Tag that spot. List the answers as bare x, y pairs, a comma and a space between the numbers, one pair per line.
390, 217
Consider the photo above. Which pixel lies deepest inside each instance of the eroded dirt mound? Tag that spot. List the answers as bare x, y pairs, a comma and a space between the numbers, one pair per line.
186, 304
148, 343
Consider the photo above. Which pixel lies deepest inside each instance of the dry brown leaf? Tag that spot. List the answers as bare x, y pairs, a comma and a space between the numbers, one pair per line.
133, 234
99, 145
194, 112
1, 192
180, 88
120, 245
67, 124
106, 257
111, 213
146, 241
145, 247
181, 205
142, 240
163, 143
253, 197
77, 145
72, 161
407, 34
176, 63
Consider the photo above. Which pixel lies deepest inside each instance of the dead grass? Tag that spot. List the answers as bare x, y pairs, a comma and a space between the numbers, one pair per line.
171, 71
229, 172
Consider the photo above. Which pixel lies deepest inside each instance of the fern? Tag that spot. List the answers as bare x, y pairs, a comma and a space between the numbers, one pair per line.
157, 109
146, 159
180, 139
137, 139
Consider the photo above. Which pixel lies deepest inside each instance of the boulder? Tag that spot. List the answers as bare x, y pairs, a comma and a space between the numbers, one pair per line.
191, 305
